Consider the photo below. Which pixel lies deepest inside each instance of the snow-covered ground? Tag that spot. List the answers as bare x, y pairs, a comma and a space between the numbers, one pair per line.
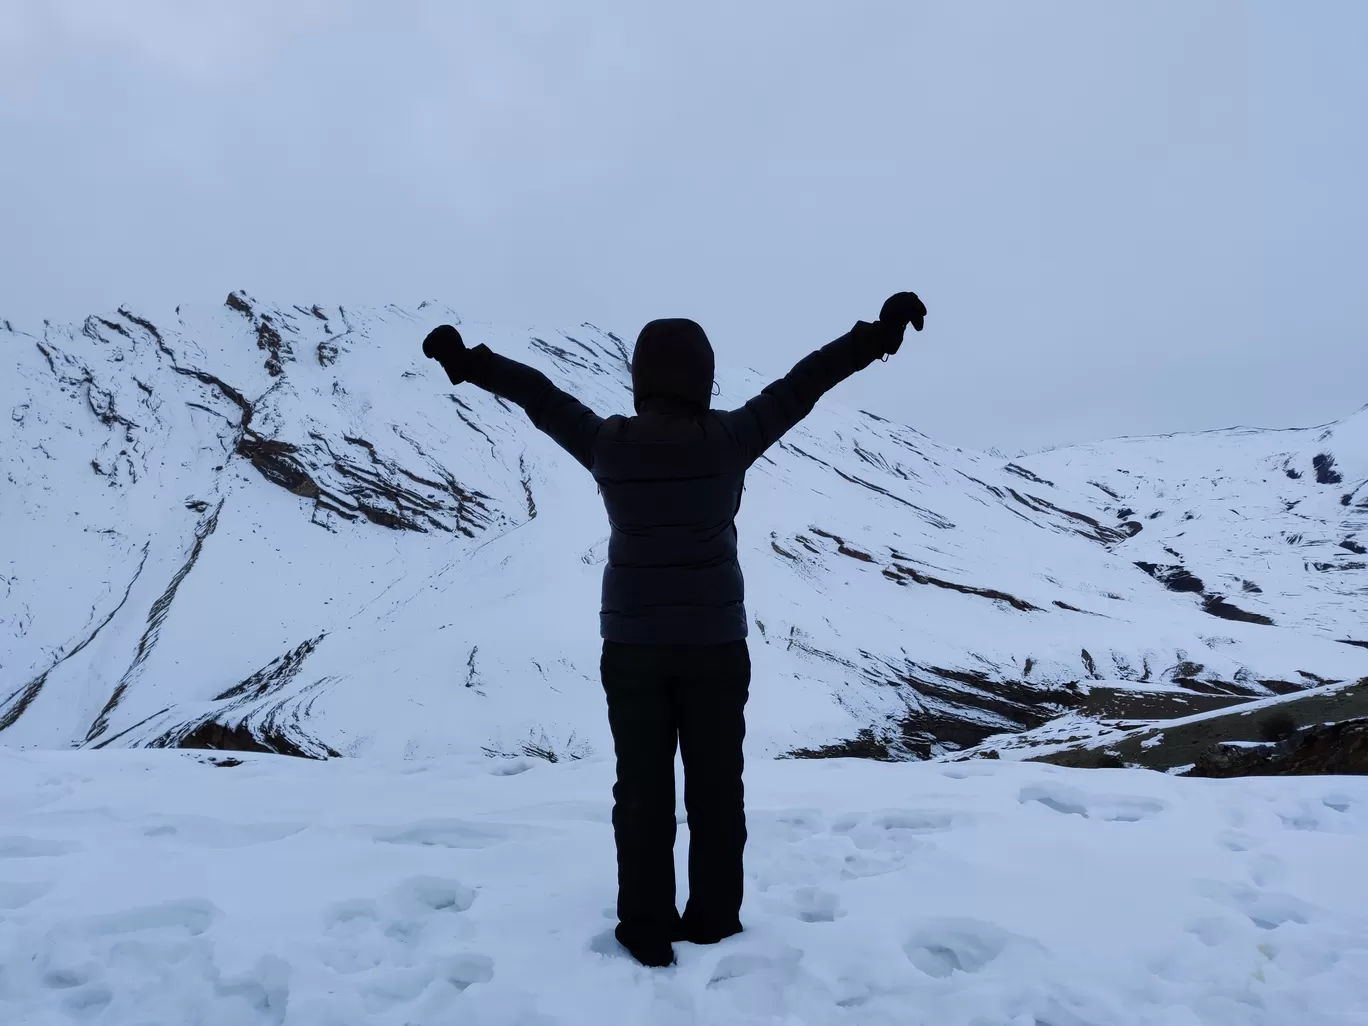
158, 888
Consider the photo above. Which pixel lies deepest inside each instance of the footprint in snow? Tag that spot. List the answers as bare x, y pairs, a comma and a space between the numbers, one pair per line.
1267, 910
896, 830
801, 847
1270, 910
917, 822
1331, 813
858, 866
1267, 870
1234, 840
1072, 802
148, 963
766, 982
942, 947
192, 915
1337, 802
433, 894
605, 943
34, 848
1214, 931
207, 832
1301, 820
445, 833
966, 770
779, 962
17, 895
461, 971
347, 927
885, 840
804, 903
788, 825
405, 947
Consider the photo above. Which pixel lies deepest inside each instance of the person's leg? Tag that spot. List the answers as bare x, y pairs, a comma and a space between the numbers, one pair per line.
642, 719
711, 697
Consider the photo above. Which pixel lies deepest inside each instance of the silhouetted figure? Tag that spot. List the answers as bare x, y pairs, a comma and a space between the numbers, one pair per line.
675, 666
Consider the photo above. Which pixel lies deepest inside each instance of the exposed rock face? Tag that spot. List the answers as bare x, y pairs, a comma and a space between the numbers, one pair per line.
1330, 748
1231, 735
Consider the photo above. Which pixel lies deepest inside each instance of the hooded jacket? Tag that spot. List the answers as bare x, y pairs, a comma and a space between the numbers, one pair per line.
671, 476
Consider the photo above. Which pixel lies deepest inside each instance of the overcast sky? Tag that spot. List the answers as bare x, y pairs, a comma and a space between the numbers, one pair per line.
1124, 217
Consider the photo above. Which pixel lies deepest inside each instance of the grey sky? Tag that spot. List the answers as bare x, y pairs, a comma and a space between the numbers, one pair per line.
1124, 217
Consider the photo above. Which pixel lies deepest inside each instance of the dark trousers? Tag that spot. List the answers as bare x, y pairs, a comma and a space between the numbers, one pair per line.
693, 696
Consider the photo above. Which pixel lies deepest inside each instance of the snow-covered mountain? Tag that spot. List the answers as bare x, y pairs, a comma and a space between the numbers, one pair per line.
279, 527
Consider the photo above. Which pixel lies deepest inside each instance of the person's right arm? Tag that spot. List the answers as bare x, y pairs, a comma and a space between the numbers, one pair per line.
765, 419
571, 424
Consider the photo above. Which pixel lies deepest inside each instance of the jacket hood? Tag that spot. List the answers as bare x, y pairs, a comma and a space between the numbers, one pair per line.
673, 360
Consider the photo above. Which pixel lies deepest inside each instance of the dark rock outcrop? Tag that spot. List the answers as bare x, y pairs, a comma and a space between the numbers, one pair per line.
1325, 469
1216, 605
1329, 749
1174, 578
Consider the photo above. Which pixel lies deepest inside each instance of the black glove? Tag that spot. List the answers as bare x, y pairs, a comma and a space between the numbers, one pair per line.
900, 310
444, 344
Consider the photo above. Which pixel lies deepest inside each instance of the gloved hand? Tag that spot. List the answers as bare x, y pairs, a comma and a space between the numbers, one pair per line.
445, 345
900, 310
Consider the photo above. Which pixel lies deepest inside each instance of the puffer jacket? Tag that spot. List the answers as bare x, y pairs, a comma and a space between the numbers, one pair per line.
671, 476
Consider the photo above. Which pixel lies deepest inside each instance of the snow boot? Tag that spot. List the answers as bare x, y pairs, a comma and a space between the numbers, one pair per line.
650, 951
705, 933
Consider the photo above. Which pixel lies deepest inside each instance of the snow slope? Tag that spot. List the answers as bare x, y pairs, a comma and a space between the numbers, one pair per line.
163, 888
278, 527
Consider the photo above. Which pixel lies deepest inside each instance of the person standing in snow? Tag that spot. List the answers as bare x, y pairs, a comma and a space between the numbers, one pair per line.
675, 666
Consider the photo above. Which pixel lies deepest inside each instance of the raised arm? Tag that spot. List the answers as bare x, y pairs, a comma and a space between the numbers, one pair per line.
571, 424
764, 420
